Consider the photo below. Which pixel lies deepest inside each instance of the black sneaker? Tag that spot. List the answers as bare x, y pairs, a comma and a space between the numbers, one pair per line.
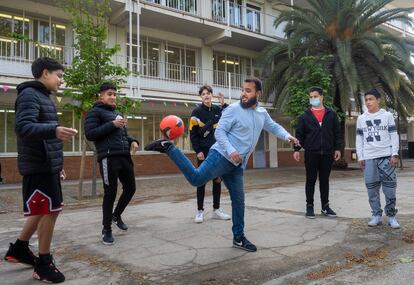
310, 213
48, 272
244, 244
20, 254
107, 237
119, 223
328, 212
160, 145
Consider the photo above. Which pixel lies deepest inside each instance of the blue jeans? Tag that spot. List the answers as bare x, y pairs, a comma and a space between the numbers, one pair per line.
216, 165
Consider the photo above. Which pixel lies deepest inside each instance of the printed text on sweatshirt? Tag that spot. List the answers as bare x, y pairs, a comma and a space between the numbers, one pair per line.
376, 135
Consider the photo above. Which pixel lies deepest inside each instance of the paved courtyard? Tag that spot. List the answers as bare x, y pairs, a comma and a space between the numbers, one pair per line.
164, 246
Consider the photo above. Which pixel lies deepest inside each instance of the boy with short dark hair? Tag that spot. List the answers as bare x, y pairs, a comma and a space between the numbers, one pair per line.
203, 123
40, 161
106, 127
377, 147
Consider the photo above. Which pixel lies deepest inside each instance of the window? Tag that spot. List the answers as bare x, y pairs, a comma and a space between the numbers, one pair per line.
281, 144
239, 68
235, 9
8, 142
51, 39
149, 57
11, 26
219, 11
180, 62
66, 120
135, 124
183, 5
253, 18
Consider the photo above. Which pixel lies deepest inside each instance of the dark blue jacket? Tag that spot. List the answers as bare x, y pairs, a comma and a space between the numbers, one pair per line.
39, 151
109, 140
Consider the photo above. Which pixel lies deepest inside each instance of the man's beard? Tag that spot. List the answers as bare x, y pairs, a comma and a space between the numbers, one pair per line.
251, 102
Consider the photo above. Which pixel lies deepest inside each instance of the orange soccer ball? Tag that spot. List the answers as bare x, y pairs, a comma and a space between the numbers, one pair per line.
172, 127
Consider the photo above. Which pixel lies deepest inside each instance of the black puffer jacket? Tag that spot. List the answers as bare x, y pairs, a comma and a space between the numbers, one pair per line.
313, 137
109, 140
39, 151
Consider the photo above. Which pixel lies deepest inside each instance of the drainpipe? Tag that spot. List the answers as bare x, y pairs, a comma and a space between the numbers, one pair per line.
130, 45
229, 76
138, 51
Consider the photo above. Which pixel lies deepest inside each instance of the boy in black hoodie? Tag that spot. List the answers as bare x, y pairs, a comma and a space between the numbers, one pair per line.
106, 127
40, 161
318, 131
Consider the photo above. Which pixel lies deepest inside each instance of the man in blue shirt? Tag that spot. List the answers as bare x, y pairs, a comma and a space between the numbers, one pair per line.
237, 134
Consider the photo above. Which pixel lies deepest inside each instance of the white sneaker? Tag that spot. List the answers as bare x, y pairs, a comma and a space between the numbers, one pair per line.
220, 215
199, 218
375, 221
392, 221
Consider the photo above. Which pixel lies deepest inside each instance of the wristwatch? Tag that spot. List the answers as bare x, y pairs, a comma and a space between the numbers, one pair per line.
396, 156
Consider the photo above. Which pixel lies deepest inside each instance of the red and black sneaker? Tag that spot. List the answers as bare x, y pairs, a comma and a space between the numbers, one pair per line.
48, 272
20, 254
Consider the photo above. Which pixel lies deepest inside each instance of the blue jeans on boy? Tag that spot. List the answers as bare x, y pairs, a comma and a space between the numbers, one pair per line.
216, 165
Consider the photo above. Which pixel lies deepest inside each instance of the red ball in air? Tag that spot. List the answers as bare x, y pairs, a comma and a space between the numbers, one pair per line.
172, 127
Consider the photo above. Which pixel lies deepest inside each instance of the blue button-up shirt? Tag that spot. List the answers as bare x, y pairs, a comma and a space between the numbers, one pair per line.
239, 130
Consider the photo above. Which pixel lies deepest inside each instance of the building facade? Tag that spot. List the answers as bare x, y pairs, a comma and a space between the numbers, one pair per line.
171, 47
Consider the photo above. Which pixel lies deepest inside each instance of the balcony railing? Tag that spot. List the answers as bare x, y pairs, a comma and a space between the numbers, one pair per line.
224, 12
183, 73
24, 51
16, 58
245, 17
165, 76
189, 6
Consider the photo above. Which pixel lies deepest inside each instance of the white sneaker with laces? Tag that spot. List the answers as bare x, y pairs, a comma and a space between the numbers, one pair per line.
375, 221
220, 215
199, 218
392, 221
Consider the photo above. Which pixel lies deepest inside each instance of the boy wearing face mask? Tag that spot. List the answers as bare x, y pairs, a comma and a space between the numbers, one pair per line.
319, 133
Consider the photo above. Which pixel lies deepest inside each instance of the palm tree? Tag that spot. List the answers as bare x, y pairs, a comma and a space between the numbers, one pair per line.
364, 54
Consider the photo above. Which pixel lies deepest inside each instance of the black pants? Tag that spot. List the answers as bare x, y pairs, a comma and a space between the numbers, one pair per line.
315, 164
111, 169
202, 190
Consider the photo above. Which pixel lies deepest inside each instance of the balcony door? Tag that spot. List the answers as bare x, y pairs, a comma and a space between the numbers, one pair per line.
180, 63
219, 11
51, 38
237, 66
11, 28
253, 18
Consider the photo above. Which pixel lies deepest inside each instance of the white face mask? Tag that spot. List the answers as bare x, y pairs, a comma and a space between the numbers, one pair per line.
315, 102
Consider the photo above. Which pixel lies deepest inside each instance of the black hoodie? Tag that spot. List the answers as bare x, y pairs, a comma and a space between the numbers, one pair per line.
39, 151
109, 140
323, 139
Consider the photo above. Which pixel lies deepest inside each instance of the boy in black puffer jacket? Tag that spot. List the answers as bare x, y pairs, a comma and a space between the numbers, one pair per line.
40, 161
106, 127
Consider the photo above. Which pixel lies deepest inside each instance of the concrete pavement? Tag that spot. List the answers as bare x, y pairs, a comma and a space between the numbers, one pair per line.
164, 246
